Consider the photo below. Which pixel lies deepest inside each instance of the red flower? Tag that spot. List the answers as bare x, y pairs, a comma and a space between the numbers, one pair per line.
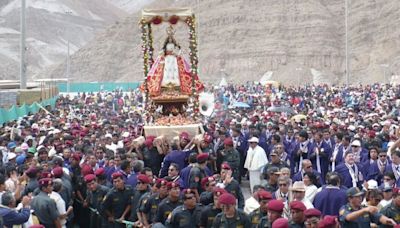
173, 19
157, 20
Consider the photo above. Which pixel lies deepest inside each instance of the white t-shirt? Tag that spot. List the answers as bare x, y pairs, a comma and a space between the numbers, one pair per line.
311, 191
60, 203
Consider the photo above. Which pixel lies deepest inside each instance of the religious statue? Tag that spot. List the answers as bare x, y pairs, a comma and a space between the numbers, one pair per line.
170, 70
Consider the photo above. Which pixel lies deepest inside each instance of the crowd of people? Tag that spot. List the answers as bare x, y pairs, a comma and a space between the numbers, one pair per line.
315, 156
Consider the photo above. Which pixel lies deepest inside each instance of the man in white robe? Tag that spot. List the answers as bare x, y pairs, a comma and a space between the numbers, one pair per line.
255, 160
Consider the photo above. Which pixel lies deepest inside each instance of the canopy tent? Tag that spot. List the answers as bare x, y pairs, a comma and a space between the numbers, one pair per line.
266, 77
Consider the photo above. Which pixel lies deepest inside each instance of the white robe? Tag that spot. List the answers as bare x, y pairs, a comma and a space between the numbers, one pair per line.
256, 159
171, 71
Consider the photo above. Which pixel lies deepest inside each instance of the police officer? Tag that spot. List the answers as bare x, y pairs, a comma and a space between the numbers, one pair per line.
116, 204
168, 204
94, 198
271, 175
230, 184
186, 215
209, 212
208, 184
275, 210
102, 178
197, 172
44, 207
353, 215
149, 208
297, 209
313, 217
33, 182
231, 156
230, 216
263, 198
393, 209
142, 187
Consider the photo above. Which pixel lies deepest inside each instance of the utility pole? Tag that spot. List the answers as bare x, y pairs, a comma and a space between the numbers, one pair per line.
347, 43
298, 69
384, 67
22, 67
68, 60
68, 68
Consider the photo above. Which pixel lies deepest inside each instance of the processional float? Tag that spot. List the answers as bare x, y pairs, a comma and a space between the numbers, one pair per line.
171, 84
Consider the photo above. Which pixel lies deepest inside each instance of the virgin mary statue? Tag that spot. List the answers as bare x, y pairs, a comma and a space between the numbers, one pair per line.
171, 70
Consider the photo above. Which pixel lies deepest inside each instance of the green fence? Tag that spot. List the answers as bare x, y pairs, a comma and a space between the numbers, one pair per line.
15, 112
97, 86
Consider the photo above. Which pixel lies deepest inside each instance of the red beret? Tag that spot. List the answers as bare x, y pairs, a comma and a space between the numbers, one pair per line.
152, 137
117, 175
46, 174
57, 172
188, 191
275, 205
219, 191
226, 166
161, 182
371, 134
37, 226
280, 223
201, 158
207, 138
184, 135
264, 195
76, 157
297, 205
69, 143
312, 212
396, 191
171, 185
143, 178
89, 178
44, 182
100, 172
86, 170
228, 142
328, 222
227, 199
31, 172
149, 141
206, 180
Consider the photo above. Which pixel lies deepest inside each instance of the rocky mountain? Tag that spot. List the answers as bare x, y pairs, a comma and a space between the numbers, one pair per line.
50, 24
131, 6
300, 41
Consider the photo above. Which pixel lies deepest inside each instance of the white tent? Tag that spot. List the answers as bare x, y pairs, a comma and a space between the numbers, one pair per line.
223, 82
266, 77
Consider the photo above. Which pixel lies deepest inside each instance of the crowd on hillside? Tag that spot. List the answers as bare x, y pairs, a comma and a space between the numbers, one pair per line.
315, 156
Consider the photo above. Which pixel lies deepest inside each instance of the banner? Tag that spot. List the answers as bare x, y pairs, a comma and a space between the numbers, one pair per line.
14, 113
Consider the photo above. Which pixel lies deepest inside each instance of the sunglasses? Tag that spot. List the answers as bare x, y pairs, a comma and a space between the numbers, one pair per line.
382, 156
355, 146
283, 185
188, 197
308, 167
